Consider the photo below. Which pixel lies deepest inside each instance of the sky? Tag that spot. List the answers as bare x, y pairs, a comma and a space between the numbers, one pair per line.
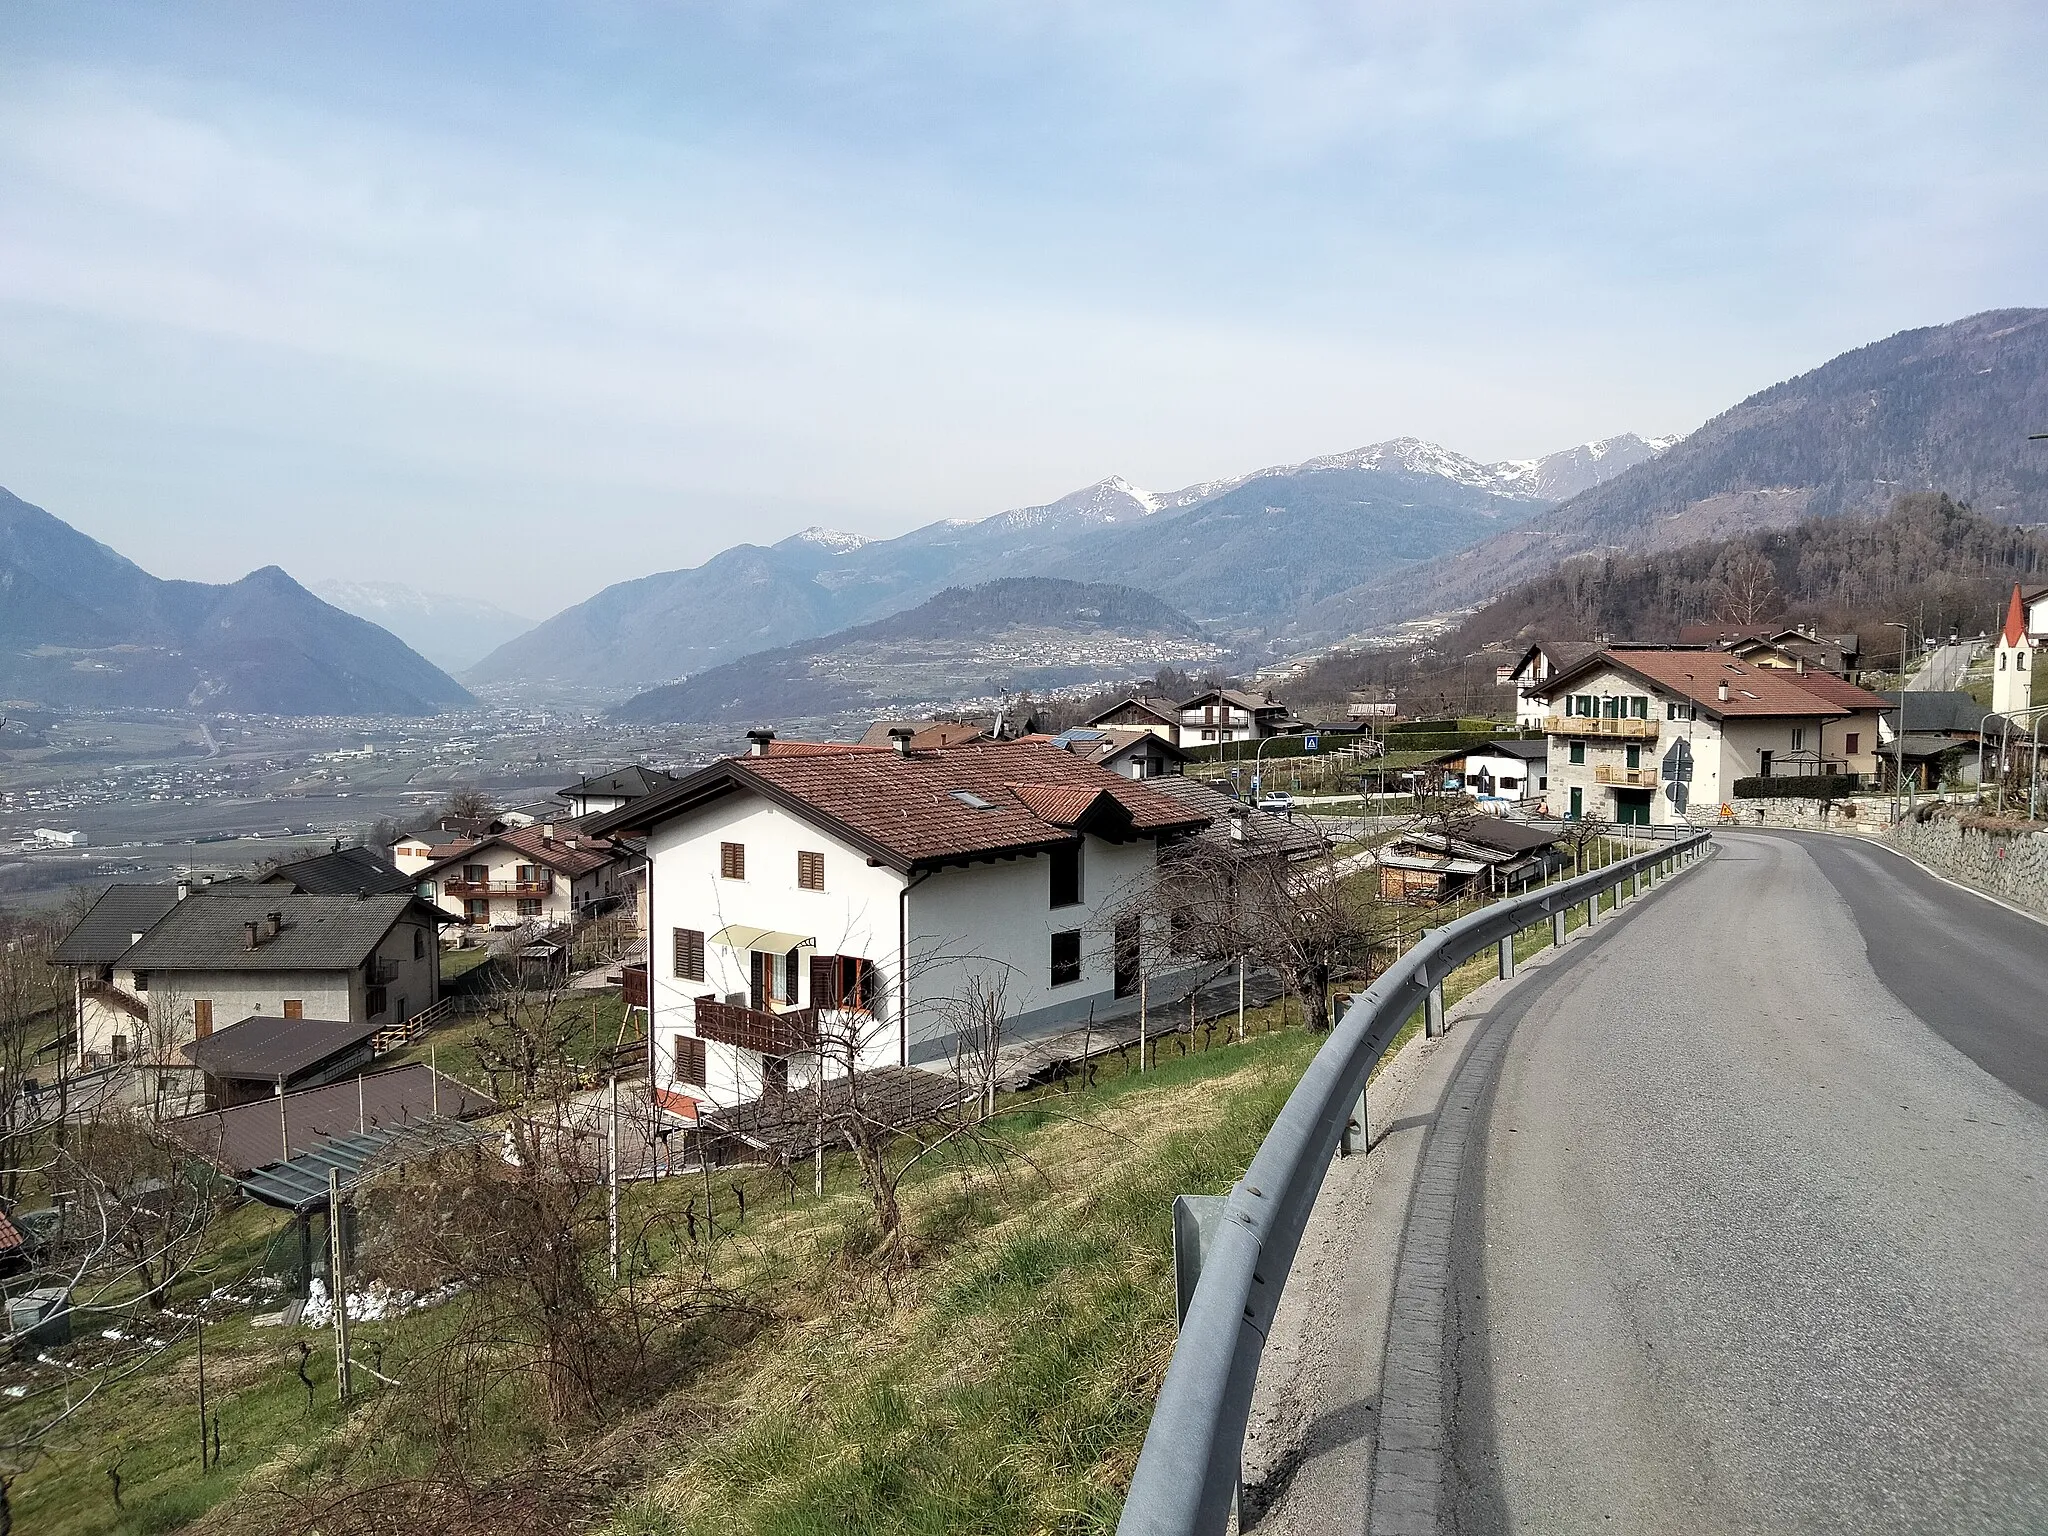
520, 299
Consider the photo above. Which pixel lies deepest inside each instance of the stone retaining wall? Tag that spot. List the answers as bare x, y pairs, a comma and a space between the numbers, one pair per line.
2007, 863
1866, 816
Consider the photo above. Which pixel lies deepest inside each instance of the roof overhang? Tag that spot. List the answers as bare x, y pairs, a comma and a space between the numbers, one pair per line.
741, 936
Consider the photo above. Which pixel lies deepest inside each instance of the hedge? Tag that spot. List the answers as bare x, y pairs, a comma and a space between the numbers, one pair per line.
1815, 786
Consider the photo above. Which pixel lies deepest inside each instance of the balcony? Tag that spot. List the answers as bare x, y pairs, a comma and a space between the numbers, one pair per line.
106, 992
472, 890
1588, 725
772, 1034
1629, 778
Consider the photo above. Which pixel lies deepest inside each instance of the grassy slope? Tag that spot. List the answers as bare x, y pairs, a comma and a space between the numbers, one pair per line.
1004, 1387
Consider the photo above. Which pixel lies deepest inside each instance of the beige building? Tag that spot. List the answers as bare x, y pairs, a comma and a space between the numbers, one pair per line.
1652, 736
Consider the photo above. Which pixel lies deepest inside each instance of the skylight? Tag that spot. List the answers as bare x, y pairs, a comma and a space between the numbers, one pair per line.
971, 800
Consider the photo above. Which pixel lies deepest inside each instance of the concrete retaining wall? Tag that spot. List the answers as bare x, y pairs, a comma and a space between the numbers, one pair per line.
2012, 865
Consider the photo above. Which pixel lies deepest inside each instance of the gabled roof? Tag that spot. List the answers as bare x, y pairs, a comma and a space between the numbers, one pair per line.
341, 873
1165, 711
926, 809
555, 853
1562, 654
108, 929
1837, 690
1696, 675
628, 783
262, 1046
781, 748
1529, 751
924, 733
440, 844
1105, 744
320, 933
1942, 712
1236, 697
1265, 833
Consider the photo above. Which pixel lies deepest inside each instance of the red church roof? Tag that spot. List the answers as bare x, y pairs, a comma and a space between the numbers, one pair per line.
2015, 631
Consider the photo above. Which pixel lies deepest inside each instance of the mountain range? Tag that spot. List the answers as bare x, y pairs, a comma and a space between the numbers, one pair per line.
450, 630
1240, 555
1941, 408
81, 625
1016, 634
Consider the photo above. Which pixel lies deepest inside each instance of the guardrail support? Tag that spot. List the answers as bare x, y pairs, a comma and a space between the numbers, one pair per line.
1433, 1012
1357, 1130
1592, 909
1507, 957
1557, 929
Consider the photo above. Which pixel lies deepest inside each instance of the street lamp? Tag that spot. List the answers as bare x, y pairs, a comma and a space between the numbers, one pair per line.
1899, 727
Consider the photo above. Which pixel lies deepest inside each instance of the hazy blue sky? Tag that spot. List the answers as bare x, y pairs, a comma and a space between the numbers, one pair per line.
534, 297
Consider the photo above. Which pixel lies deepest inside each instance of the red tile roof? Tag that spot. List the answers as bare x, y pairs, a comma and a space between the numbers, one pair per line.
2015, 631
1837, 690
590, 853
780, 748
1697, 675
931, 807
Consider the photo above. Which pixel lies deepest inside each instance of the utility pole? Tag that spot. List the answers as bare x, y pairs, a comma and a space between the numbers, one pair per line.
1240, 999
612, 1170
337, 1274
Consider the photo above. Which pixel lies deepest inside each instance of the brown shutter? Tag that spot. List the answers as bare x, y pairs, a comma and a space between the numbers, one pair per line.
295, 1007
689, 954
732, 861
202, 1017
810, 870
689, 1059
824, 981
790, 972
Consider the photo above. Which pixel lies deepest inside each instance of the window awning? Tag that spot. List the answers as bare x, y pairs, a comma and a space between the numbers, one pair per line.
740, 936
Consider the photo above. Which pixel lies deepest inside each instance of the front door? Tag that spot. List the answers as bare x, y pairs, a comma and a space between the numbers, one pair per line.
1632, 808
1578, 809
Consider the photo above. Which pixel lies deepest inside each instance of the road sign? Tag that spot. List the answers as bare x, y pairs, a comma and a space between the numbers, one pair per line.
1310, 742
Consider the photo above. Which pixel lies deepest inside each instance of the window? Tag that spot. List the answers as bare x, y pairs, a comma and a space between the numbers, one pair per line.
1633, 756
202, 1017
689, 954
374, 1001
524, 874
529, 906
476, 909
810, 871
1611, 706
732, 861
1639, 707
295, 1007
477, 874
1763, 764
1066, 875
1798, 738
1679, 712
688, 1062
844, 981
1578, 752
1066, 957
419, 944
1850, 743
118, 1044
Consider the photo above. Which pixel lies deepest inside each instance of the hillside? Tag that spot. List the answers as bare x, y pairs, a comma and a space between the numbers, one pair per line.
1241, 562
449, 629
1011, 635
1943, 408
80, 625
1928, 561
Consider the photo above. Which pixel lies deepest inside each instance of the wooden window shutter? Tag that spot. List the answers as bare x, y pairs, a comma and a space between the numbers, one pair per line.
732, 861
790, 972
810, 870
295, 1007
689, 1059
824, 981
202, 1017
689, 954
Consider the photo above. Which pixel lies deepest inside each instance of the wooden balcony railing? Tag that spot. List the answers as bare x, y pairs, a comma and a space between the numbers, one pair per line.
1634, 778
772, 1034
1589, 725
540, 886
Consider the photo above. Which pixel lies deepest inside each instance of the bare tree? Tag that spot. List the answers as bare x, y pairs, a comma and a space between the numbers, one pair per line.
470, 803
527, 1027
1745, 586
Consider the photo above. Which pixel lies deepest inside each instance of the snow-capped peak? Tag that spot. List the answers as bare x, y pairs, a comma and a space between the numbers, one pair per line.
830, 538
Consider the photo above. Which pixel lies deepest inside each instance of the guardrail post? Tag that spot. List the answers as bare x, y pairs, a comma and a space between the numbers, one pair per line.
1592, 909
1507, 957
1557, 929
1433, 1011
1357, 1130
1637, 893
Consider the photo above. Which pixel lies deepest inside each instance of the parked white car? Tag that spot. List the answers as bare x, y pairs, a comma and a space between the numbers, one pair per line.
1278, 801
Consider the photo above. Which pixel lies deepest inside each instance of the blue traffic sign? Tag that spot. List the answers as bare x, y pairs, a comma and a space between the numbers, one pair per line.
1310, 742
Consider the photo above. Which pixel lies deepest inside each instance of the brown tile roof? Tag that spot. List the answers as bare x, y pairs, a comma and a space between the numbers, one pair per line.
781, 748
1697, 675
934, 807
1837, 690
553, 852
265, 1131
925, 733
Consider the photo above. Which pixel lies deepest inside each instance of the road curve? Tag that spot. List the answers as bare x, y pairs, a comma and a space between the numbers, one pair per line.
1738, 1222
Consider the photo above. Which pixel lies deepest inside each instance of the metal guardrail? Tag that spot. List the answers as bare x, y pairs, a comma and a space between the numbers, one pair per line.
1187, 1474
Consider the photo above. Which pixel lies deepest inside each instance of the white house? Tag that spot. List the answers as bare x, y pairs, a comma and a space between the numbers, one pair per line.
604, 792
1142, 713
1538, 665
414, 851
212, 958
1650, 736
538, 874
1513, 771
1230, 714
1127, 751
812, 910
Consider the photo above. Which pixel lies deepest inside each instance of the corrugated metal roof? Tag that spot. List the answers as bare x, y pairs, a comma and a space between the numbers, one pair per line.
250, 1136
301, 1183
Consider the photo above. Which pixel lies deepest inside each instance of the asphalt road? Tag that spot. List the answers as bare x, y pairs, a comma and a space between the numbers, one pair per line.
1737, 1221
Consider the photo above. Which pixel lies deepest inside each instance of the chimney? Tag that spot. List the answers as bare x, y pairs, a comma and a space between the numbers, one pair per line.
273, 924
570, 845
759, 739
1238, 817
249, 934
1802, 666
547, 834
184, 889
1721, 691
899, 738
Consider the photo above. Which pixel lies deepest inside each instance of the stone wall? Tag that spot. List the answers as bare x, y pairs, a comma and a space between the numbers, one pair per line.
2007, 860
1867, 817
